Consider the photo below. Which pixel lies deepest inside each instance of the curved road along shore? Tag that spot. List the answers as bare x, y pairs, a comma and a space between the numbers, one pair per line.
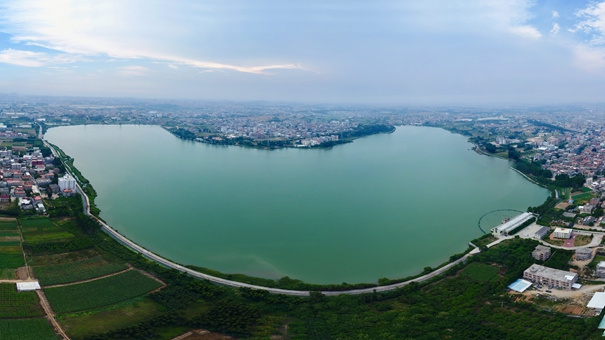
154, 257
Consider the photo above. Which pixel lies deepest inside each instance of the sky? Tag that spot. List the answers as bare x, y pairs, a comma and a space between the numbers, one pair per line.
403, 52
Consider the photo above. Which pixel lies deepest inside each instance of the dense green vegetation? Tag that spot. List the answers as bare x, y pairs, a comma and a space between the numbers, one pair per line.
480, 271
470, 302
76, 271
100, 292
11, 260
15, 304
26, 329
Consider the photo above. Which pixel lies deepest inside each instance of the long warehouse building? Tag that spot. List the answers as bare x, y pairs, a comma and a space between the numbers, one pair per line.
505, 228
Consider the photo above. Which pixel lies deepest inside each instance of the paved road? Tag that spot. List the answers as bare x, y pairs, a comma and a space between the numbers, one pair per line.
154, 257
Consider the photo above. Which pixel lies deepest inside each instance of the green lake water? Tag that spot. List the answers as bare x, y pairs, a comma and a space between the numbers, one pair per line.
383, 206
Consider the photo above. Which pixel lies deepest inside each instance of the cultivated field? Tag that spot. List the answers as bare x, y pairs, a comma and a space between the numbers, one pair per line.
11, 260
8, 225
26, 329
37, 223
101, 292
15, 304
42, 230
76, 271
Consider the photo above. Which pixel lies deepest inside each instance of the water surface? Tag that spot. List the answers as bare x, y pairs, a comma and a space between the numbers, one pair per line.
384, 206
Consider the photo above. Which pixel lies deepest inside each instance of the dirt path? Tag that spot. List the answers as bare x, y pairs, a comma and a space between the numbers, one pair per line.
154, 278
89, 280
50, 314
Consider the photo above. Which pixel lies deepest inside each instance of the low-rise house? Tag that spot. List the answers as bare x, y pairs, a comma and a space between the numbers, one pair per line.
562, 233
588, 220
585, 209
550, 277
69, 192
541, 253
601, 269
543, 231
569, 214
54, 189
583, 254
43, 182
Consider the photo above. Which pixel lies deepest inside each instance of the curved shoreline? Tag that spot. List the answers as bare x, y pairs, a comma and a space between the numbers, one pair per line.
167, 263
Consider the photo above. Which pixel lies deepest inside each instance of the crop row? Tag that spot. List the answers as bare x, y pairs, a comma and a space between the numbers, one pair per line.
15, 304
37, 223
8, 226
26, 329
76, 271
101, 292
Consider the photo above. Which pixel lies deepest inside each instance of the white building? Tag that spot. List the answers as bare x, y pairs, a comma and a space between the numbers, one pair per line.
505, 228
563, 233
597, 302
67, 182
28, 286
550, 277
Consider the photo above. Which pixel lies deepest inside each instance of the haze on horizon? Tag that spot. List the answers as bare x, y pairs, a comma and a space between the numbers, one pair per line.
383, 52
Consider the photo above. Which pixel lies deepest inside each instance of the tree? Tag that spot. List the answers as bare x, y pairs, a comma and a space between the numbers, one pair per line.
490, 148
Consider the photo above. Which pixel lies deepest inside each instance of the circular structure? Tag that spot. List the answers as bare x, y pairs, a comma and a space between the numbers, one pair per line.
497, 214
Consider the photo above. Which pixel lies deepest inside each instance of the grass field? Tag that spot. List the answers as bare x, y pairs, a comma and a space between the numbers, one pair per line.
76, 271
101, 292
11, 260
480, 271
81, 326
15, 304
582, 240
26, 329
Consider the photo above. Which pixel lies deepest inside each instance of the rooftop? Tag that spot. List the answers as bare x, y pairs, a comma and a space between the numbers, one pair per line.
597, 301
551, 273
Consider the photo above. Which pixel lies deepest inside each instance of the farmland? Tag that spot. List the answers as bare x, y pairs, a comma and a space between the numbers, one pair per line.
41, 230
76, 271
17, 305
101, 292
37, 223
8, 225
26, 329
11, 260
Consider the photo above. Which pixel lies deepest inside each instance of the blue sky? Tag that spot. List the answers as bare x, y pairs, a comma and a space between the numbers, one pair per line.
372, 52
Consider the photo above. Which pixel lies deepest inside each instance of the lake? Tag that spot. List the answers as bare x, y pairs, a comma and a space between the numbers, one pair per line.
383, 206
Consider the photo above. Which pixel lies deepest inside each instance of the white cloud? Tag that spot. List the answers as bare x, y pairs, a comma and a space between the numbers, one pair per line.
136, 71
32, 59
525, 31
172, 66
589, 58
555, 29
555, 14
120, 30
594, 21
